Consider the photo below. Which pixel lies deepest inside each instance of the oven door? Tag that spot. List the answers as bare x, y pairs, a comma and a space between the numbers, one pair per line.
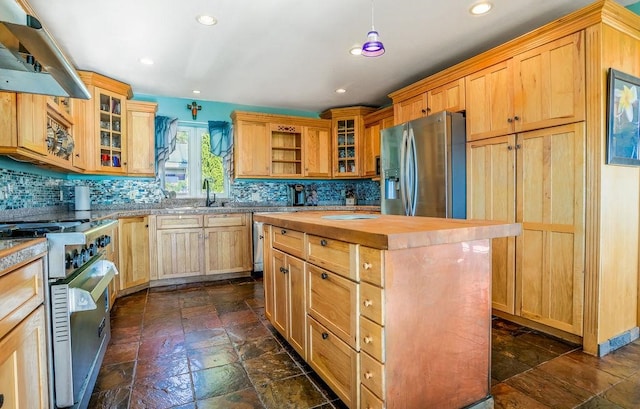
80, 330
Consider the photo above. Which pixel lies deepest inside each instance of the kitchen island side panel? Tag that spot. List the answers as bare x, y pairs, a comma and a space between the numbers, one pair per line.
438, 325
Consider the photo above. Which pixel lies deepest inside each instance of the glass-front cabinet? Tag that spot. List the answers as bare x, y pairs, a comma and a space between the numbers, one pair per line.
111, 129
346, 146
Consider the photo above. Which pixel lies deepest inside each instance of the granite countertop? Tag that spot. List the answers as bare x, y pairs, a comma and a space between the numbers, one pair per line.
16, 251
389, 232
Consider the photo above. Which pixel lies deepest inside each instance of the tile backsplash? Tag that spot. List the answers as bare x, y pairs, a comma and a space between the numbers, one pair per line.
19, 190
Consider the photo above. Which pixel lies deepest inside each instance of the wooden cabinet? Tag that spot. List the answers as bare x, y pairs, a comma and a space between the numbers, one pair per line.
347, 126
317, 152
410, 109
548, 184
105, 123
196, 245
23, 359
448, 97
32, 122
373, 124
280, 146
538, 88
141, 138
133, 252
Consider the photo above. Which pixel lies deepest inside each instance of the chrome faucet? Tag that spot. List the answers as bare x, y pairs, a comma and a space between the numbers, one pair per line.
205, 185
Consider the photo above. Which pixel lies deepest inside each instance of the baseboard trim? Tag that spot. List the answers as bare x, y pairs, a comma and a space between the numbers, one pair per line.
574, 339
618, 341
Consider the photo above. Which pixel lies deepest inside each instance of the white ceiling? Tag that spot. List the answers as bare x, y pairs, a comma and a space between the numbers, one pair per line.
282, 53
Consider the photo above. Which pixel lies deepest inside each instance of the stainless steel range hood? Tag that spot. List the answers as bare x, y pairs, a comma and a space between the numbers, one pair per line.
30, 60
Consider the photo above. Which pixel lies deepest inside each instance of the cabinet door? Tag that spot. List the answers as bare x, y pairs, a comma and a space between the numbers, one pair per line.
550, 84
449, 97
84, 149
280, 292
297, 305
489, 102
179, 253
550, 205
110, 122
252, 149
317, 152
227, 250
134, 251
346, 146
32, 122
491, 196
412, 108
268, 273
23, 364
371, 149
140, 159
8, 125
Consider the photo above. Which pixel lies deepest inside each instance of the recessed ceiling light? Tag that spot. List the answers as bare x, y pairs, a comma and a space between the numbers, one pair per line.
206, 20
146, 61
196, 91
356, 50
341, 91
480, 8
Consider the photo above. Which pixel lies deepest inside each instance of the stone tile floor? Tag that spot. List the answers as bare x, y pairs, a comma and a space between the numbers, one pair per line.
208, 345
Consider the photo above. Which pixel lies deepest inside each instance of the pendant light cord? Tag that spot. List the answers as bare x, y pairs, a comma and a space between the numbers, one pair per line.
372, 26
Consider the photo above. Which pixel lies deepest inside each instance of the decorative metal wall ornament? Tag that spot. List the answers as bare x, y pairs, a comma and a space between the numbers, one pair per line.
194, 107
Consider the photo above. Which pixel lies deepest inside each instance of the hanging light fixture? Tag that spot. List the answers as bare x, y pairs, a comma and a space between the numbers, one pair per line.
373, 46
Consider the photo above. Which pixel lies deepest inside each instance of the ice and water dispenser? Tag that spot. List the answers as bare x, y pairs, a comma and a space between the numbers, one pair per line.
391, 183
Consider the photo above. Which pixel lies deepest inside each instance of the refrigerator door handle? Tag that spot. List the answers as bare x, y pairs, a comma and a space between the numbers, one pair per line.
413, 163
403, 170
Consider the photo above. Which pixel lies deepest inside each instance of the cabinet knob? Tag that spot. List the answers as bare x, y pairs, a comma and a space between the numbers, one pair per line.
325, 335
368, 339
366, 266
323, 242
324, 276
518, 146
367, 303
283, 270
368, 375
283, 232
509, 120
509, 148
516, 118
77, 156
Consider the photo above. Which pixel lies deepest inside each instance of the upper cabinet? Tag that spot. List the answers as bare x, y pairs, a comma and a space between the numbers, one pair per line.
536, 89
104, 124
347, 125
410, 109
141, 118
447, 97
373, 124
279, 146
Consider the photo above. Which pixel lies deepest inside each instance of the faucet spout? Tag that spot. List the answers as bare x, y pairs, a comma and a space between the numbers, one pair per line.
205, 185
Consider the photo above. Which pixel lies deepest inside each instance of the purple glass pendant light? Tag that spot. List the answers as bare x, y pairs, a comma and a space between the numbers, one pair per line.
373, 47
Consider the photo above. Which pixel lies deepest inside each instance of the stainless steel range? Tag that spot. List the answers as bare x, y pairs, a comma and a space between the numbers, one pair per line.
78, 303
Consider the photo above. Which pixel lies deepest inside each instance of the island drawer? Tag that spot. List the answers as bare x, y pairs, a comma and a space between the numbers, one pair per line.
372, 339
371, 302
225, 220
334, 361
372, 374
371, 262
333, 301
368, 400
334, 255
21, 292
182, 221
289, 241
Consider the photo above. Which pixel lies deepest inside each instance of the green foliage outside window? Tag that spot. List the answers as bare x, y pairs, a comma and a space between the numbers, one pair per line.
212, 167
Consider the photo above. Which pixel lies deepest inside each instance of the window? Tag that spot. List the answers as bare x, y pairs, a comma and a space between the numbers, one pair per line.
191, 162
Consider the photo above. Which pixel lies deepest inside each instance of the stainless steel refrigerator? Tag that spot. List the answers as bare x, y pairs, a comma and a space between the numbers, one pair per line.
423, 167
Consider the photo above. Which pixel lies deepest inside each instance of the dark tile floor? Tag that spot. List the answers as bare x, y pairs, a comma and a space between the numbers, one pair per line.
209, 346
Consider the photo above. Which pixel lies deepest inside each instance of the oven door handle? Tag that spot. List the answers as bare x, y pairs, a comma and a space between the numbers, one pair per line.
80, 300
90, 285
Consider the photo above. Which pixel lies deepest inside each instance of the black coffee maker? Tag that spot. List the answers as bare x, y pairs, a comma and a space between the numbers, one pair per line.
297, 196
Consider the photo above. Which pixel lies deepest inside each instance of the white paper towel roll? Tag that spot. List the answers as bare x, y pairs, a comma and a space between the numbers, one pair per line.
83, 199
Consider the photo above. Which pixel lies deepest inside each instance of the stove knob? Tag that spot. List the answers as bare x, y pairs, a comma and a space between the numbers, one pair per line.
101, 241
84, 254
68, 261
92, 250
107, 240
77, 260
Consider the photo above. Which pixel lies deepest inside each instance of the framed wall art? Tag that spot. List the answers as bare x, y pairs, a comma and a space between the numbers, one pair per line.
623, 119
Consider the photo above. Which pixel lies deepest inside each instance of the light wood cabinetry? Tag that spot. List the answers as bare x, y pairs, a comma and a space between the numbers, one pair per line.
279, 146
373, 124
535, 178
133, 252
199, 245
347, 126
538, 88
32, 122
23, 360
141, 138
447, 97
410, 109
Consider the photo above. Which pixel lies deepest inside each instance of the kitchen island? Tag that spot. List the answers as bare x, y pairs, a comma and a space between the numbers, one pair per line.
391, 311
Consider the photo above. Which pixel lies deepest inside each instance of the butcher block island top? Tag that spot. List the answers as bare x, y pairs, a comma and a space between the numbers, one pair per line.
390, 311
389, 232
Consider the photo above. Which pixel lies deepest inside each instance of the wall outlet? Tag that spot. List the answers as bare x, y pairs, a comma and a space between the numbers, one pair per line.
61, 195
132, 194
255, 197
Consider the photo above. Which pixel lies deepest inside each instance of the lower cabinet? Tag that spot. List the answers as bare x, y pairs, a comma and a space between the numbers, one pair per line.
196, 245
111, 254
134, 257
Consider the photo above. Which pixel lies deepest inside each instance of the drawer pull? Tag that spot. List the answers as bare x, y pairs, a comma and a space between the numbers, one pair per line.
368, 340
367, 266
325, 335
323, 242
368, 375
283, 270
367, 303
283, 232
324, 276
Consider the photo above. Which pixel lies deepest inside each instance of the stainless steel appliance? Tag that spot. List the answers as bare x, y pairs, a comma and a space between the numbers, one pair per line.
77, 303
423, 167
297, 196
258, 249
